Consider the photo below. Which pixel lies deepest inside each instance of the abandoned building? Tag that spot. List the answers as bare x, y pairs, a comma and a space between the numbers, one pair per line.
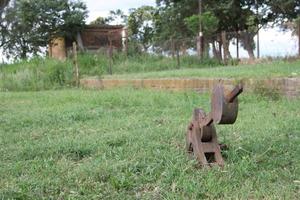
91, 39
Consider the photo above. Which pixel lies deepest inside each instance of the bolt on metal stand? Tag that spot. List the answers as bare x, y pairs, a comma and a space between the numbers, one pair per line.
201, 137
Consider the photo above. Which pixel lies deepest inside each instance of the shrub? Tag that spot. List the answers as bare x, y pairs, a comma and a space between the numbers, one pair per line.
270, 93
37, 74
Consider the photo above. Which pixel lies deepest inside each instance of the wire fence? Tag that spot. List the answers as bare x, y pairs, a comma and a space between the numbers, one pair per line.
225, 47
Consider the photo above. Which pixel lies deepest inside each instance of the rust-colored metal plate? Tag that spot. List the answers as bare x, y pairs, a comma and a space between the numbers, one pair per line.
201, 137
223, 111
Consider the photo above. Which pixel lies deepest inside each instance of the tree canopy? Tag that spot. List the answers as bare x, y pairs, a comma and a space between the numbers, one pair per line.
29, 25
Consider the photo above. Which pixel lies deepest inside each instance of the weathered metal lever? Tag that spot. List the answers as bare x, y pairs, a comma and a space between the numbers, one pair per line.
201, 138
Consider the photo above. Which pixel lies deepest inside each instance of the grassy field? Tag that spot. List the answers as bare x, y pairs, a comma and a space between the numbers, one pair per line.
265, 70
129, 144
44, 74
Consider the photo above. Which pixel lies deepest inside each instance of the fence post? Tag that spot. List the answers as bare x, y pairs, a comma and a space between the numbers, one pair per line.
75, 62
224, 42
177, 53
173, 48
237, 45
110, 54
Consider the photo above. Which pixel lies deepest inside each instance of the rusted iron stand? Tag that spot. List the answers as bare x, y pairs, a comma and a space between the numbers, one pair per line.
201, 138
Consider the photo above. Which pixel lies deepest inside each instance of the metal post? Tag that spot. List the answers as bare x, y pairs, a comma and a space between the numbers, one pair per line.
237, 45
75, 62
258, 45
177, 54
110, 56
200, 38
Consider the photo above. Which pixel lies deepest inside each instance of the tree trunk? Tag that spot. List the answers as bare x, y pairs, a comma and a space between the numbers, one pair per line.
216, 53
250, 53
184, 49
247, 40
220, 50
178, 58
225, 47
237, 45
173, 48
23, 53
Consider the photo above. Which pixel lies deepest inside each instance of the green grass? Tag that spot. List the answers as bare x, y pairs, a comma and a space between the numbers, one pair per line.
142, 63
130, 144
44, 74
266, 70
36, 74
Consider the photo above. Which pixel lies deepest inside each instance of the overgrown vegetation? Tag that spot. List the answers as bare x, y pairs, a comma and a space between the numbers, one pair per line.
142, 62
127, 144
37, 74
27, 27
40, 74
266, 69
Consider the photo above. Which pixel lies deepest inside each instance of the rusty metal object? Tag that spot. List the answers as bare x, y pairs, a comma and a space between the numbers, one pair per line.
201, 138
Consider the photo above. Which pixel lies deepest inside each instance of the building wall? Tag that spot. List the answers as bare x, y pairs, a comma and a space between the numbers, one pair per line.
96, 37
57, 49
91, 39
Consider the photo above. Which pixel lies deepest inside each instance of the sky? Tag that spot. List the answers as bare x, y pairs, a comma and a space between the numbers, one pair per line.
102, 7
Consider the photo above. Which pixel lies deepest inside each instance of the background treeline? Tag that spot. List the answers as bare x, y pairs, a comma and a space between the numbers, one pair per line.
27, 26
157, 36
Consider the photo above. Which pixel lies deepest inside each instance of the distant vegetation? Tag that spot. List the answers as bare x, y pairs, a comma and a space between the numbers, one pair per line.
40, 74
171, 27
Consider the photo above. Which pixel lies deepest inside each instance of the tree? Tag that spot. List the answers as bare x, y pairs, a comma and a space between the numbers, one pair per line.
32, 24
286, 12
117, 16
3, 4
209, 24
141, 26
171, 19
100, 21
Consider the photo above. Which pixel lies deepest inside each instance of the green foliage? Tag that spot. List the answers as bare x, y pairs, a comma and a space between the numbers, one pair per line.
130, 144
141, 25
100, 21
37, 74
170, 19
3, 4
118, 15
209, 22
268, 93
93, 64
269, 69
283, 10
97, 64
29, 25
40, 74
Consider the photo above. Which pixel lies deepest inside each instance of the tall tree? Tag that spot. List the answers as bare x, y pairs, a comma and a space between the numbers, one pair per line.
31, 24
141, 25
3, 3
100, 21
286, 12
172, 32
